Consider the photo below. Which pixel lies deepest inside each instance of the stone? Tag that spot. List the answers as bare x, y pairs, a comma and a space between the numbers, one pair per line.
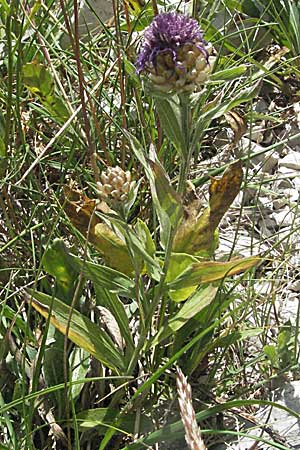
91, 13
291, 160
267, 161
284, 427
284, 217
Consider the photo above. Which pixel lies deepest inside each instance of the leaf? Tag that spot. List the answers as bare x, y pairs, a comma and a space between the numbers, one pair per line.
39, 82
103, 418
209, 271
229, 74
179, 262
53, 365
138, 247
112, 302
166, 200
106, 277
58, 263
169, 200
3, 155
219, 109
190, 308
196, 235
82, 331
169, 115
79, 363
80, 209
271, 352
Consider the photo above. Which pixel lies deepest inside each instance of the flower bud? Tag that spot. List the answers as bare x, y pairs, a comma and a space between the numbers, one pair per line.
115, 185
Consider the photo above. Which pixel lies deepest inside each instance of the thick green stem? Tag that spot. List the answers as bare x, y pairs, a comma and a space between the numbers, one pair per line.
186, 122
183, 175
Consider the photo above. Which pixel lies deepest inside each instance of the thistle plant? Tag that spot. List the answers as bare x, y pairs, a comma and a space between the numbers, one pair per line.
161, 285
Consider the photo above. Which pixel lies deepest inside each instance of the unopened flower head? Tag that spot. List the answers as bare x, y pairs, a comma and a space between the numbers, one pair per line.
115, 185
174, 53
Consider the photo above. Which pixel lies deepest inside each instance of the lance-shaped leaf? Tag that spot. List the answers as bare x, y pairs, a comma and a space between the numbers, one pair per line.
197, 235
80, 209
209, 271
190, 309
142, 254
105, 277
166, 200
170, 119
169, 200
39, 82
103, 418
82, 331
3, 155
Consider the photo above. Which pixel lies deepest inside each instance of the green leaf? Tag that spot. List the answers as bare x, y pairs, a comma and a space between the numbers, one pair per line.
170, 120
3, 155
106, 277
169, 200
219, 109
115, 306
82, 331
179, 262
229, 74
39, 82
53, 365
138, 248
59, 263
209, 271
79, 363
166, 200
103, 418
190, 308
271, 352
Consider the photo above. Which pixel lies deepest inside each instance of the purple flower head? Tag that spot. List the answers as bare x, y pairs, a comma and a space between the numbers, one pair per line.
173, 52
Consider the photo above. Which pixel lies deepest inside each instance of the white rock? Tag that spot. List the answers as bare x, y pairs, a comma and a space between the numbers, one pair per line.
284, 218
280, 202
295, 286
89, 14
267, 161
286, 426
291, 160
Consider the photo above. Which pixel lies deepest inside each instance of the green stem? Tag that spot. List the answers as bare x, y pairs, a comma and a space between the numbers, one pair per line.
183, 175
186, 122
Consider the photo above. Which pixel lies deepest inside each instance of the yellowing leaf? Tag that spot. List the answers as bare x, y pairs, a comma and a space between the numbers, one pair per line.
135, 6
82, 331
80, 209
209, 271
197, 235
169, 199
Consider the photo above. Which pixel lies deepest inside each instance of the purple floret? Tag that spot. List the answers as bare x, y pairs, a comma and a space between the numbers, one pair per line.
167, 33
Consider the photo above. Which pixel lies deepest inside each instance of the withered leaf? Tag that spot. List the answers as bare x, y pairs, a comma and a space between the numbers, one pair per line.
197, 234
80, 210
